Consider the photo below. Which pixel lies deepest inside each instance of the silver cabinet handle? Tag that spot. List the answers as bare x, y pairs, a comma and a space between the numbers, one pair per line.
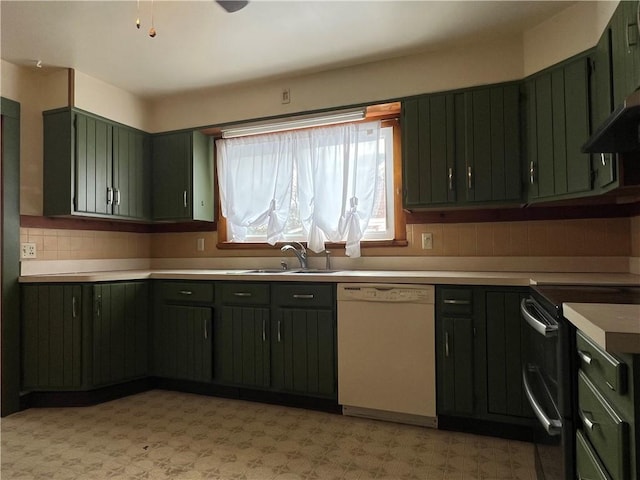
74, 311
303, 296
117, 190
450, 177
98, 305
585, 357
450, 301
279, 333
264, 332
242, 294
547, 329
532, 173
446, 344
586, 420
109, 196
184, 199
185, 292
603, 160
206, 330
552, 426
469, 177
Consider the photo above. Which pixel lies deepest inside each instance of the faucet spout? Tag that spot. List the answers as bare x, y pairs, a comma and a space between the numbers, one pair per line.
301, 253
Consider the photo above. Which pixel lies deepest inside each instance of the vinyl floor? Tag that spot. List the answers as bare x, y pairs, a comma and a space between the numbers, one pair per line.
169, 435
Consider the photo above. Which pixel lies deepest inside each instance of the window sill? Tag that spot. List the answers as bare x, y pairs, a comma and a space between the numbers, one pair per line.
339, 245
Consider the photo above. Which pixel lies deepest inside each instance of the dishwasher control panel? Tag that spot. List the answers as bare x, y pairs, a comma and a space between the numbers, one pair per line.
386, 293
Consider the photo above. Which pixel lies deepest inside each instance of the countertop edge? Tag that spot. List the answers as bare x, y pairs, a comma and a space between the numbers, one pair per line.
616, 337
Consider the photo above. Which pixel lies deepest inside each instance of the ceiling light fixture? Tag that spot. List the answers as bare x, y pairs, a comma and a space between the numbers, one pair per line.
293, 124
152, 30
138, 16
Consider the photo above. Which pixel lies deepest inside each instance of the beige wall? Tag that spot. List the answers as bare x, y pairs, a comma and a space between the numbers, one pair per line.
53, 244
106, 100
556, 238
568, 33
36, 90
476, 64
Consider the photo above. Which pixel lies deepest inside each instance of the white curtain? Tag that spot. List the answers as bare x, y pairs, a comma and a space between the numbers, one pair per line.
255, 176
337, 178
337, 169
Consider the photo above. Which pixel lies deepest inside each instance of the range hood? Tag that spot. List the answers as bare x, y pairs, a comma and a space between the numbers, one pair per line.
620, 132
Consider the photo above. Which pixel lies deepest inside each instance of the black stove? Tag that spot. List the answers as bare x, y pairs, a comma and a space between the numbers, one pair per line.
550, 370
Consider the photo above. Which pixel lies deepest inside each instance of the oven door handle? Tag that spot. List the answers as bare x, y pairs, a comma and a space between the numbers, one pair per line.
543, 328
552, 426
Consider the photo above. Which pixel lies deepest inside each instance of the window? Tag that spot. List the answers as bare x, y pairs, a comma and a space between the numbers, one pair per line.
329, 184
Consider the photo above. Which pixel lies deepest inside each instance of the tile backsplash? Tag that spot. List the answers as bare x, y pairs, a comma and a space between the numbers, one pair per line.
582, 237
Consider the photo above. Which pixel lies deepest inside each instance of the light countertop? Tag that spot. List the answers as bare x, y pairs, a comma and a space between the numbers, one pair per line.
614, 327
386, 276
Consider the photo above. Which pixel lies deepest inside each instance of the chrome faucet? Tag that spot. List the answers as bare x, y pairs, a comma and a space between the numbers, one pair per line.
301, 254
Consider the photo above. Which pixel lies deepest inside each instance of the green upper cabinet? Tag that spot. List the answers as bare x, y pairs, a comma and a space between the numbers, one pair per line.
625, 49
462, 147
557, 124
490, 120
429, 151
182, 177
94, 167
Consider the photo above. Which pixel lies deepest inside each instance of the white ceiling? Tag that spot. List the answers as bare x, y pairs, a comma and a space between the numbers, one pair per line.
199, 45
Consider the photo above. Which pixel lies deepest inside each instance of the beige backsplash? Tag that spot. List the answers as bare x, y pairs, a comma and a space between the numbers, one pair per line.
612, 237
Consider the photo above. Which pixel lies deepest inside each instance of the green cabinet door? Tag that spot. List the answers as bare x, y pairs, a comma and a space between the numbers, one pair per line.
557, 125
93, 165
304, 352
506, 341
455, 366
241, 346
429, 151
52, 332
131, 173
182, 342
182, 177
625, 40
119, 332
491, 153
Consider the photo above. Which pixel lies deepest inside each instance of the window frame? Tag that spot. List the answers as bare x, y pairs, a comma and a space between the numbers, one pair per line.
400, 229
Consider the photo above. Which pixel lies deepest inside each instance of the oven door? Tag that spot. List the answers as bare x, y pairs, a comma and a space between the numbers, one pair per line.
540, 376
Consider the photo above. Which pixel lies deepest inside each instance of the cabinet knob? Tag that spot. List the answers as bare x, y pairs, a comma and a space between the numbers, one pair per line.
469, 178
532, 173
450, 178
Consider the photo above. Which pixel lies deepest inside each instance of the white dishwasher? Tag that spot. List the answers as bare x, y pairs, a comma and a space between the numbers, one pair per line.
386, 352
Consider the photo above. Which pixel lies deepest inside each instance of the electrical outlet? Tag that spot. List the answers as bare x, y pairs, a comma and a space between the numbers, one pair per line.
200, 244
427, 241
286, 96
27, 250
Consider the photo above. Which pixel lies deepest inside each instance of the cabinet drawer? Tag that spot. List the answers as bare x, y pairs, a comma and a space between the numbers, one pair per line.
606, 431
456, 301
245, 293
588, 464
187, 291
303, 295
604, 370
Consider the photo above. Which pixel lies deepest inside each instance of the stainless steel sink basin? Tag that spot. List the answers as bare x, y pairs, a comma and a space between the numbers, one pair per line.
268, 270
315, 271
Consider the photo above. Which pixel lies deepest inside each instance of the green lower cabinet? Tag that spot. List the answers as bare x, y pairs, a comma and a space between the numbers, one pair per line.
480, 347
52, 332
182, 342
304, 352
119, 332
506, 343
241, 346
456, 366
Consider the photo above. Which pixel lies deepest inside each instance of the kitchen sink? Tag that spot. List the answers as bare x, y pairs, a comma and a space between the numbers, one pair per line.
315, 271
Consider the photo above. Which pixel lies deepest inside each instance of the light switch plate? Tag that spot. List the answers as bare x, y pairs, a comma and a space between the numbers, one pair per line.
200, 244
427, 241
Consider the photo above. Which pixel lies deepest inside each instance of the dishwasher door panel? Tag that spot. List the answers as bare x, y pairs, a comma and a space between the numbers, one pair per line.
386, 356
